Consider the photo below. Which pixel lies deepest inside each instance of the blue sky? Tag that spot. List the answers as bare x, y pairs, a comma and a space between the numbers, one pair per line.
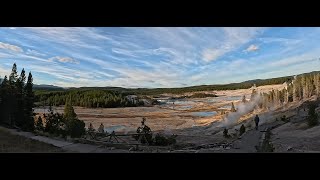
158, 56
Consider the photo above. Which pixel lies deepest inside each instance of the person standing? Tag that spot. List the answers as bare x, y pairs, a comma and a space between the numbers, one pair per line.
256, 120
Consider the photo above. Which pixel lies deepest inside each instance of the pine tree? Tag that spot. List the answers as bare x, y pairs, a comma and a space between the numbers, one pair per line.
28, 105
276, 97
272, 97
242, 129
75, 127
295, 90
300, 89
311, 87
265, 100
279, 97
253, 94
244, 100
312, 115
303, 84
233, 109
260, 103
69, 113
39, 124
12, 96
286, 96
317, 84
5, 103
14, 75
21, 80
20, 99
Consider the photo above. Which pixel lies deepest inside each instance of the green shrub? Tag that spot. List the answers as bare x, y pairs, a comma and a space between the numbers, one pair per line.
312, 115
54, 122
76, 128
141, 103
242, 129
225, 133
172, 139
39, 124
284, 118
160, 140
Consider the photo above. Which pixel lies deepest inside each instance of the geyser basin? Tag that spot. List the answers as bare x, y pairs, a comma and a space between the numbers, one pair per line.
204, 113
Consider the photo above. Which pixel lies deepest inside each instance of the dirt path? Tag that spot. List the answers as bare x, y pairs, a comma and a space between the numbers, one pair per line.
14, 143
60, 144
251, 139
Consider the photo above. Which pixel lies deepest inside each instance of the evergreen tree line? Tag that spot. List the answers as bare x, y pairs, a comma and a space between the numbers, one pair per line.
62, 124
115, 97
84, 98
158, 91
17, 100
232, 86
301, 88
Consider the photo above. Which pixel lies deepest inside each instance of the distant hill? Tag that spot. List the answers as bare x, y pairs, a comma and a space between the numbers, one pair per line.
43, 86
46, 87
157, 91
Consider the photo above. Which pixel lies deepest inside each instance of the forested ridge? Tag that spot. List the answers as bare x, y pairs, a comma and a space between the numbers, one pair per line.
157, 91
110, 97
85, 98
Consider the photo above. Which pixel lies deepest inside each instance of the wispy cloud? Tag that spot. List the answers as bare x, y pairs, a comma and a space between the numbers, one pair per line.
212, 54
252, 47
64, 59
10, 47
155, 56
34, 53
233, 38
70, 36
297, 59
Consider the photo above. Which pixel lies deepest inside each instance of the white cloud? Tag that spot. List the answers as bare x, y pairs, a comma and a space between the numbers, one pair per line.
64, 59
10, 47
34, 53
212, 54
71, 36
151, 57
123, 52
252, 48
232, 39
177, 49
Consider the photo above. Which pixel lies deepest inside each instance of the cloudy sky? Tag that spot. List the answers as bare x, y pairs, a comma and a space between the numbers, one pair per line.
157, 56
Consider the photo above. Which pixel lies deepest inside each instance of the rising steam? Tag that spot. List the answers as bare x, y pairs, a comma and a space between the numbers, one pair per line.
242, 109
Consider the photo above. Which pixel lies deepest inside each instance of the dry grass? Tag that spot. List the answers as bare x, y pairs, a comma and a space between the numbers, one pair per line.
18, 144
